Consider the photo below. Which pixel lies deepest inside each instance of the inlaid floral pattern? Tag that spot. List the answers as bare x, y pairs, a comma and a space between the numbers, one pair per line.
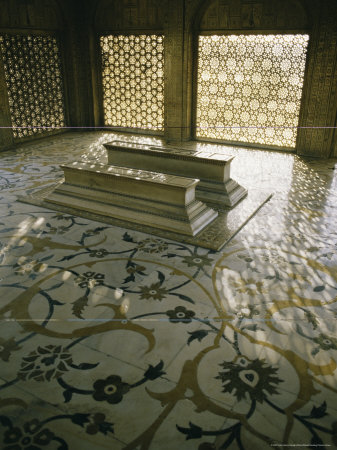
45, 363
113, 338
152, 245
153, 292
110, 390
197, 260
32, 436
26, 266
180, 314
326, 342
254, 378
90, 279
100, 253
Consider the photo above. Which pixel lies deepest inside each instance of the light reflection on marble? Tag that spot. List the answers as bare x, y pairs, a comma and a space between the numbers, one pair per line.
112, 338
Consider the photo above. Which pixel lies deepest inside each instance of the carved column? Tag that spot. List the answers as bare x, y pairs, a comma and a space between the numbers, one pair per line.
76, 41
6, 134
178, 70
334, 142
319, 103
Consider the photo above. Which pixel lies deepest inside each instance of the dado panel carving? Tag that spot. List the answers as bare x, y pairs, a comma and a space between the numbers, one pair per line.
129, 14
41, 14
255, 14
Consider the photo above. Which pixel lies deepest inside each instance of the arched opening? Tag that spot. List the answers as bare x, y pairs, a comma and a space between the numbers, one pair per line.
250, 74
131, 65
33, 68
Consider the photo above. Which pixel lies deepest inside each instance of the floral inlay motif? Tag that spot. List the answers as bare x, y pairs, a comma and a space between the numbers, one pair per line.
45, 363
100, 253
150, 337
31, 437
180, 314
110, 390
58, 230
154, 291
152, 245
96, 422
253, 377
90, 280
197, 260
326, 342
26, 266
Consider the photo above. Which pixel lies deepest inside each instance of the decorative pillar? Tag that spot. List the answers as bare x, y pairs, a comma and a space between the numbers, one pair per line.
319, 105
178, 73
76, 42
6, 134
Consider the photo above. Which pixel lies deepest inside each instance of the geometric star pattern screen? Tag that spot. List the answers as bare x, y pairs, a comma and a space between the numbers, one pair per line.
250, 88
33, 76
133, 81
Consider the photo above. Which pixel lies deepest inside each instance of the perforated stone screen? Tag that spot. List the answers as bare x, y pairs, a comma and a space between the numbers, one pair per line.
133, 81
250, 88
34, 81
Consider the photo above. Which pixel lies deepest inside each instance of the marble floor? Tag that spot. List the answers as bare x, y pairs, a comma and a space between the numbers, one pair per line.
115, 339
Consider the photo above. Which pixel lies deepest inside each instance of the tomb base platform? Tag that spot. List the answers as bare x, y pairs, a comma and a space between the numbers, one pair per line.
213, 237
158, 200
212, 169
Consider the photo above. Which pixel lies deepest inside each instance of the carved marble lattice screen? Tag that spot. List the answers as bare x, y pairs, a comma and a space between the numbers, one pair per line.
133, 81
250, 88
34, 80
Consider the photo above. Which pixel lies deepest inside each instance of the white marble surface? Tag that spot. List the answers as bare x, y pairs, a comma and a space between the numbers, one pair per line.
117, 339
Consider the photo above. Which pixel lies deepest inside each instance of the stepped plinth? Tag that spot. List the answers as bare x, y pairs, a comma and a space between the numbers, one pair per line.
150, 198
211, 168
